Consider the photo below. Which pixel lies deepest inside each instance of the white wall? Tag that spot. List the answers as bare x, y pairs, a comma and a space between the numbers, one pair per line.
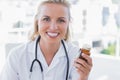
105, 67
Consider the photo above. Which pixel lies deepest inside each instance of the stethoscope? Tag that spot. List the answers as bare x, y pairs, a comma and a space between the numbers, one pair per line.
36, 59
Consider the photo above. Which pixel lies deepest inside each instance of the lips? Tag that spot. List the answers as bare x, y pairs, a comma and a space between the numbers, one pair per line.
52, 34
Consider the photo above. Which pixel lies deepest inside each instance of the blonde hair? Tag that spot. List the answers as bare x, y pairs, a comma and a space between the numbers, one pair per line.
65, 3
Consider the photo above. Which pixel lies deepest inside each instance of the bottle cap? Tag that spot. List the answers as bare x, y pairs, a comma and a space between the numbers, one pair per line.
86, 46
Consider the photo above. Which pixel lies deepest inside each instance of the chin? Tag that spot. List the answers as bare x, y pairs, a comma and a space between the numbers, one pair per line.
54, 40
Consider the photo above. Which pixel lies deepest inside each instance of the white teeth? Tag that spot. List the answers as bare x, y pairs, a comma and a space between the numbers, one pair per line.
52, 34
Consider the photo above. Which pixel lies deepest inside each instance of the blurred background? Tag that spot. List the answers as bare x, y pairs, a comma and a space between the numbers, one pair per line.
95, 22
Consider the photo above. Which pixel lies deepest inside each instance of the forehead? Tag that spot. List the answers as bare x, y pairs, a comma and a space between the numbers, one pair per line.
52, 9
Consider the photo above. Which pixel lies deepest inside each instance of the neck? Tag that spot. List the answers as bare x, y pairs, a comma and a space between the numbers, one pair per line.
49, 50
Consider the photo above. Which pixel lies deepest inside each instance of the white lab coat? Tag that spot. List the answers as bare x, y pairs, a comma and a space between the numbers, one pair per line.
19, 61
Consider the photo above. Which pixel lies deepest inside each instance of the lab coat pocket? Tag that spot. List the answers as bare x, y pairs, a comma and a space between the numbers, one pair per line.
35, 75
30, 75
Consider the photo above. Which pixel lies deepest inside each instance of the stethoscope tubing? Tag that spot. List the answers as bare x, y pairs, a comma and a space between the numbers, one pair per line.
36, 59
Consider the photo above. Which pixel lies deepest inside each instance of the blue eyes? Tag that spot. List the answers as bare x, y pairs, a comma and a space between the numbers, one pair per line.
61, 20
48, 20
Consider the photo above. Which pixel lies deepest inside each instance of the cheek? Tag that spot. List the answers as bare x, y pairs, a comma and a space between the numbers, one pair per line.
64, 30
41, 26
41, 29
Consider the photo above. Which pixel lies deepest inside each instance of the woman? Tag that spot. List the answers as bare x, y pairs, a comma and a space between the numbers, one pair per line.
48, 56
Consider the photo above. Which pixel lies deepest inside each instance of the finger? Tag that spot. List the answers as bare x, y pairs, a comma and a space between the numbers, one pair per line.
83, 63
81, 69
88, 59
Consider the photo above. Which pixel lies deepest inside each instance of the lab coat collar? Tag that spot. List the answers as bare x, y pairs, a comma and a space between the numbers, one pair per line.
61, 51
31, 46
59, 55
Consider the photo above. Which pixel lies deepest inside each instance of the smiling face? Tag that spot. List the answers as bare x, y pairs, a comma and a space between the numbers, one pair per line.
53, 22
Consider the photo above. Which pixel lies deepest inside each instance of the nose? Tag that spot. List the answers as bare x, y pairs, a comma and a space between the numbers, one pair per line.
53, 25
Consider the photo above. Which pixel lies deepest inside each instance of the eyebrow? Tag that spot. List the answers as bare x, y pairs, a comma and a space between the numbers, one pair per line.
46, 16
62, 18
58, 17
